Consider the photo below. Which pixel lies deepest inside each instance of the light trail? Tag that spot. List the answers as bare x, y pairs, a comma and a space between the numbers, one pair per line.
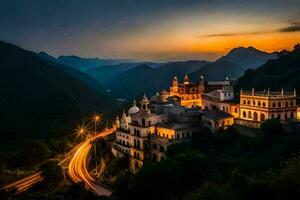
77, 169
25, 183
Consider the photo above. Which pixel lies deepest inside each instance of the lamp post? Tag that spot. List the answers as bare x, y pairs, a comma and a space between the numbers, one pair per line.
96, 119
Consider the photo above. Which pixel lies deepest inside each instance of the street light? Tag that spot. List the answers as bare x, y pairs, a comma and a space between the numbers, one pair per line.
81, 131
96, 119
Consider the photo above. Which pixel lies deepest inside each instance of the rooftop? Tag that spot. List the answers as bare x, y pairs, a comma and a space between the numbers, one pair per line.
215, 114
175, 125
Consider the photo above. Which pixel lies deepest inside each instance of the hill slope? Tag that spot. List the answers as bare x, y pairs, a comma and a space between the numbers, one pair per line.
39, 99
143, 78
283, 72
248, 57
85, 78
218, 70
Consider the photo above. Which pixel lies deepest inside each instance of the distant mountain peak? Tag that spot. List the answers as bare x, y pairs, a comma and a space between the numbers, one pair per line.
248, 57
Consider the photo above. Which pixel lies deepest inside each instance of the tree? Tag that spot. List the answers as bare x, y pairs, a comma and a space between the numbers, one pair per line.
272, 126
52, 172
35, 152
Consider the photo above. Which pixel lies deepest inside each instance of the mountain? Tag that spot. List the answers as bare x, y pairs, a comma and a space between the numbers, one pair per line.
104, 74
144, 78
82, 64
218, 70
38, 99
85, 78
248, 57
283, 72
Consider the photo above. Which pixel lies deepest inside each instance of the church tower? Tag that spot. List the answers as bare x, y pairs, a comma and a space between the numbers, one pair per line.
145, 105
202, 84
175, 86
186, 80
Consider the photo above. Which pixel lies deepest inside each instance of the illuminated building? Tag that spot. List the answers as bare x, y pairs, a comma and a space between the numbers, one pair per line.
146, 132
256, 107
190, 94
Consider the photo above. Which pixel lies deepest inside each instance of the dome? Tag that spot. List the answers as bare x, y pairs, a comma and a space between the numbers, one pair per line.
134, 109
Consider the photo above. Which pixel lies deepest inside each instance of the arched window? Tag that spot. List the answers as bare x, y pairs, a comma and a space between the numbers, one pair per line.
279, 104
254, 103
273, 105
248, 102
255, 117
264, 104
143, 122
244, 114
292, 115
262, 117
259, 104
286, 104
244, 102
272, 116
235, 110
285, 116
249, 114
292, 103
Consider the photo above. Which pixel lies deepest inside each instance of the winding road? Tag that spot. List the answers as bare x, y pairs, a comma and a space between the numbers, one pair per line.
77, 169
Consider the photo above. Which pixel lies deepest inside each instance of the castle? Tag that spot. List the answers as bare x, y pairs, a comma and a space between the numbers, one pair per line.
145, 133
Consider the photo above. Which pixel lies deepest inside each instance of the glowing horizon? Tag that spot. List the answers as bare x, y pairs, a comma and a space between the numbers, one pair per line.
152, 31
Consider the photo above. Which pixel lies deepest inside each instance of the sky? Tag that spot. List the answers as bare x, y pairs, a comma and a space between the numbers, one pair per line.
149, 30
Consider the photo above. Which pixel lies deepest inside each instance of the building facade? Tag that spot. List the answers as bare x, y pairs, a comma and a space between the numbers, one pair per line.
190, 94
145, 135
259, 106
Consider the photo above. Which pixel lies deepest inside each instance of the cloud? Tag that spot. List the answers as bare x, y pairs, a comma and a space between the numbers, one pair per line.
293, 27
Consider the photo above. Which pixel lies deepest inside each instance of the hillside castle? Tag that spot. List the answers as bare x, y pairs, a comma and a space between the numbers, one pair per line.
171, 117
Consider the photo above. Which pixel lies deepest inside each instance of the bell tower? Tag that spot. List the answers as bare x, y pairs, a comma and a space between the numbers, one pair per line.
202, 84
175, 86
186, 80
145, 105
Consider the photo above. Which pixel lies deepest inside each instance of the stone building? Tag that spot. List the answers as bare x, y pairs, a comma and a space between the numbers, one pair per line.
216, 119
190, 94
146, 132
259, 106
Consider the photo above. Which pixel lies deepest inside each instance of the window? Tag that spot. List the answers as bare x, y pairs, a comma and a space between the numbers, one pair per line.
279, 104
292, 115
264, 104
154, 146
273, 105
138, 133
161, 149
254, 103
255, 116
259, 104
286, 104
235, 110
248, 102
244, 102
262, 117
244, 114
292, 103
249, 114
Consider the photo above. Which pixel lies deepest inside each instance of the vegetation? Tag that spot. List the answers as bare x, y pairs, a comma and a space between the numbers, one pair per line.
284, 71
223, 166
